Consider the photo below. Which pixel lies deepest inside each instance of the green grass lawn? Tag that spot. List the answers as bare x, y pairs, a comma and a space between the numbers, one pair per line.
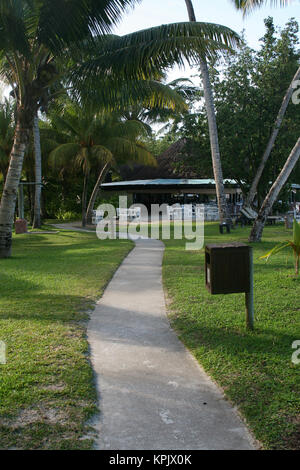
46, 289
253, 368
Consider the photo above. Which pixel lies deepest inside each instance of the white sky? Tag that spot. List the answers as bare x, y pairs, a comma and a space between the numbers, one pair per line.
155, 12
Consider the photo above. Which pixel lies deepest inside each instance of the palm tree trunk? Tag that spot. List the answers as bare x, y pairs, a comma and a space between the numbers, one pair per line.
276, 128
89, 212
10, 191
84, 197
272, 195
38, 173
213, 130
30, 196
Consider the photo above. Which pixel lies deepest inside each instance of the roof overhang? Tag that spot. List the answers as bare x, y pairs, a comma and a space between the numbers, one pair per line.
165, 184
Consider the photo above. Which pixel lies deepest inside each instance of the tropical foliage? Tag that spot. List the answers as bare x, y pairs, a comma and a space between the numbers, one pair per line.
37, 36
248, 5
94, 142
6, 134
294, 244
248, 90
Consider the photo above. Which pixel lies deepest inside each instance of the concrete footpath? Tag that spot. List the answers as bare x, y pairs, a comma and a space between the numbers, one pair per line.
152, 392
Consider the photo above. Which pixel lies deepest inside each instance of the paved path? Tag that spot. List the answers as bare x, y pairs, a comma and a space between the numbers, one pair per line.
153, 394
72, 226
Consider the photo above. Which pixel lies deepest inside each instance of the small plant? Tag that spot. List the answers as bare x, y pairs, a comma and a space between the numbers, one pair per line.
294, 244
62, 214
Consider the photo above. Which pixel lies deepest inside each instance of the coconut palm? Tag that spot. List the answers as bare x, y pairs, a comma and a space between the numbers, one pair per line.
123, 139
247, 6
293, 244
259, 223
31, 28
7, 127
123, 63
50, 94
38, 173
276, 128
213, 129
28, 29
94, 143
258, 226
148, 99
181, 90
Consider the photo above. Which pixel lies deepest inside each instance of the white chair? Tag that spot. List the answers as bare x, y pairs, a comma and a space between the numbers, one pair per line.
128, 214
187, 211
97, 216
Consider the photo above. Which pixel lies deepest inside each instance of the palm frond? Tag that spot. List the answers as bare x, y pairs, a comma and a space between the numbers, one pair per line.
131, 129
296, 234
141, 54
64, 154
274, 250
13, 32
249, 5
48, 145
125, 150
113, 94
66, 22
100, 153
66, 123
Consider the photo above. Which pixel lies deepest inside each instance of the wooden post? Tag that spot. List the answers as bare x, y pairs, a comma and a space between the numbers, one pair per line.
249, 295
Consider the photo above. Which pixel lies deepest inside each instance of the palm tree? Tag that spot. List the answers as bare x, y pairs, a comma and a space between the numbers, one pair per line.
276, 128
258, 226
181, 91
94, 143
7, 127
28, 28
31, 28
259, 223
123, 140
213, 130
247, 6
50, 95
38, 173
149, 99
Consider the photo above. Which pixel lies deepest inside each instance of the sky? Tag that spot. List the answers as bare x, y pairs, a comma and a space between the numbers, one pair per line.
156, 12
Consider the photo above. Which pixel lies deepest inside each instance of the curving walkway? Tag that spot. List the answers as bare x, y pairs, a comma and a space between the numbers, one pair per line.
153, 394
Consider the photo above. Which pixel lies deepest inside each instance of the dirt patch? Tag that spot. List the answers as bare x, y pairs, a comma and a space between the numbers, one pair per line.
55, 387
30, 416
292, 441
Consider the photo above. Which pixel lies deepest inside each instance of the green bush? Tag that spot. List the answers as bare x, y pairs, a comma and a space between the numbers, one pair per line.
62, 214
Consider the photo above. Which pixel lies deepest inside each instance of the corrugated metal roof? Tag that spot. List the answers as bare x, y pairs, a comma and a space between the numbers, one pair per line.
168, 182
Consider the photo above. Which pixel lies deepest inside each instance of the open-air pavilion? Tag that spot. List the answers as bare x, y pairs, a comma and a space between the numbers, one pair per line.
174, 191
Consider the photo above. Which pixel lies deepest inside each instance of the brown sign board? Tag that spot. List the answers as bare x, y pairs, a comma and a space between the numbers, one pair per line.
227, 268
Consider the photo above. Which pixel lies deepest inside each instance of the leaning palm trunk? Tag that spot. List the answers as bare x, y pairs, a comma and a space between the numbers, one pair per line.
10, 191
276, 128
38, 173
213, 130
89, 212
272, 195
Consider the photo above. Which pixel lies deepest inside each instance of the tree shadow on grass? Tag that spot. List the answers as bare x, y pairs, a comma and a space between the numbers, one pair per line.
30, 303
262, 343
131, 327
